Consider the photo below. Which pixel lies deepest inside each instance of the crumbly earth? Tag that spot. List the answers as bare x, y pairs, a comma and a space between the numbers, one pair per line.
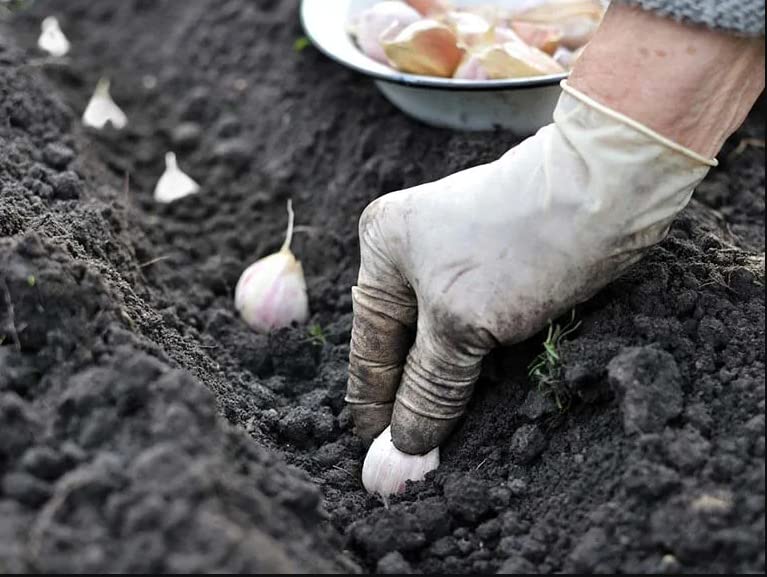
144, 428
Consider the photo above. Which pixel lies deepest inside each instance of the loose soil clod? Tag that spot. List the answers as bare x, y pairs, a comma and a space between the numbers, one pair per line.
146, 428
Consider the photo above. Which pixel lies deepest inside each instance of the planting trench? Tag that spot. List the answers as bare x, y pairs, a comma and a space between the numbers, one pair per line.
144, 428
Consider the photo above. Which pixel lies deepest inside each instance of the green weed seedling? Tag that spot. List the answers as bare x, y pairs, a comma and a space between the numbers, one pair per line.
316, 335
546, 369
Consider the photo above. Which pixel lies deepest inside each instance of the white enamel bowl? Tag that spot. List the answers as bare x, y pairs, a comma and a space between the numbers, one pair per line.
521, 105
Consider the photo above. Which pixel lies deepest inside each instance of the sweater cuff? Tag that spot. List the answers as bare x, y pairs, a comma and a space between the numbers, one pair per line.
741, 17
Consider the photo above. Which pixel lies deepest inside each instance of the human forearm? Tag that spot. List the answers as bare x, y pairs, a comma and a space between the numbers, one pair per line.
691, 84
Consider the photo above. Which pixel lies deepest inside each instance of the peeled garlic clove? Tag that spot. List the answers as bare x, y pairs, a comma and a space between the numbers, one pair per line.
471, 29
425, 47
577, 19
385, 17
471, 69
430, 7
544, 37
271, 293
102, 109
386, 469
52, 39
174, 183
517, 60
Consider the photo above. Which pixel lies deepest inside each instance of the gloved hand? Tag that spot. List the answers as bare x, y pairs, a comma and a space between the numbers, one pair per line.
488, 256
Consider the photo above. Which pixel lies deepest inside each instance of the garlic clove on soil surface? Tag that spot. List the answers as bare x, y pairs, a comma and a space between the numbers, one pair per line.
388, 18
425, 47
174, 183
102, 110
52, 40
386, 469
271, 293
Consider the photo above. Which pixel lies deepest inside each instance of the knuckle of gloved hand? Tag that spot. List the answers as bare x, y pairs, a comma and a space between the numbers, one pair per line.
459, 325
371, 217
415, 435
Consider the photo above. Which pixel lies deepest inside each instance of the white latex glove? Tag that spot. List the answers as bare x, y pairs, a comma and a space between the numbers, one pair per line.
488, 256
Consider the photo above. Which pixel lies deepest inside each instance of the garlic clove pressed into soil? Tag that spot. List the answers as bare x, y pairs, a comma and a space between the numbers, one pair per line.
52, 40
174, 183
102, 110
386, 469
271, 293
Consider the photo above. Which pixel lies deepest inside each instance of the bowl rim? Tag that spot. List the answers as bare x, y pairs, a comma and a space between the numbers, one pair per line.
417, 81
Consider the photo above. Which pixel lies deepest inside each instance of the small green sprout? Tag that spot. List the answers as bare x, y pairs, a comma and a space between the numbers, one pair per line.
546, 368
301, 44
31, 281
316, 335
8, 7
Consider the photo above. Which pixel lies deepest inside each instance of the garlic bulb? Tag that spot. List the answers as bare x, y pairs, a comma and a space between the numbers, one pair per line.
386, 469
102, 109
425, 47
52, 39
383, 18
271, 293
174, 183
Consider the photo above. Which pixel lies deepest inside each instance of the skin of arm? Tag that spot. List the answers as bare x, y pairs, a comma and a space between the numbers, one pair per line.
690, 84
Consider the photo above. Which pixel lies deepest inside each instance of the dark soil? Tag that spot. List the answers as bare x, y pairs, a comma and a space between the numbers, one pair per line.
142, 426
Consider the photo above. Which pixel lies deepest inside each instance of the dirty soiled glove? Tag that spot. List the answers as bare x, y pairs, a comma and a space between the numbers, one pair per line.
488, 256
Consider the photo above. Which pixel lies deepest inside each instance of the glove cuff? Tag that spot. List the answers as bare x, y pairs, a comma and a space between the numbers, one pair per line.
649, 132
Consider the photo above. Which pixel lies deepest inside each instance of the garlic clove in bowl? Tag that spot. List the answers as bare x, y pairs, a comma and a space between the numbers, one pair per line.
385, 17
425, 47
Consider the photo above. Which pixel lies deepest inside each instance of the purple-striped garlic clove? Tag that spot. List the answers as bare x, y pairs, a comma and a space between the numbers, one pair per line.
386, 469
271, 293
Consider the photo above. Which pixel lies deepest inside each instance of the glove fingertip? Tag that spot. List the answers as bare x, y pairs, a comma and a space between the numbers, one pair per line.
417, 434
370, 419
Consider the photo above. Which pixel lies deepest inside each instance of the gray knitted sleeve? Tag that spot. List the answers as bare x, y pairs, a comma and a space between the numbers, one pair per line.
743, 17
